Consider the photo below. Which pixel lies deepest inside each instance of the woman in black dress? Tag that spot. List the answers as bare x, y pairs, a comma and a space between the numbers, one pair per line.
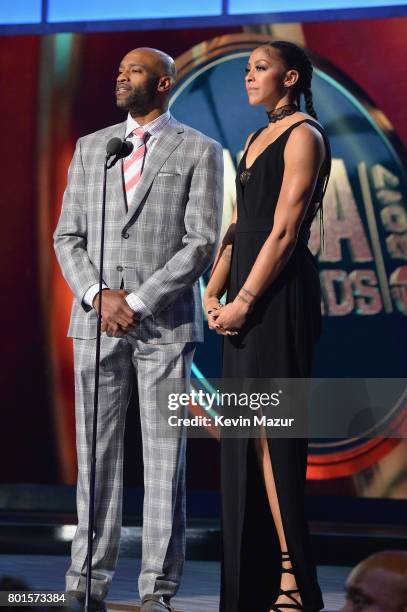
271, 323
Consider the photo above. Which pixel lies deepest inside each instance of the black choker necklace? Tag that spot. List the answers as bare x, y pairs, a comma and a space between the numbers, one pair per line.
280, 112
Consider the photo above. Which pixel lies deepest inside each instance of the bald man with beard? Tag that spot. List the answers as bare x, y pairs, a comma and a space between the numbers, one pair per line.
163, 214
378, 584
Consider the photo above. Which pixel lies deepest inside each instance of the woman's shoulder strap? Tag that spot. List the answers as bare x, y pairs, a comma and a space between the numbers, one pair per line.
321, 129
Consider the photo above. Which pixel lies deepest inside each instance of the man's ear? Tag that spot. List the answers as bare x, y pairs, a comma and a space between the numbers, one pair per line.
165, 84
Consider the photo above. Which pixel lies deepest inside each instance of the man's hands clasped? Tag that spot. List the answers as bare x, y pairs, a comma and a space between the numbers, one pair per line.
118, 319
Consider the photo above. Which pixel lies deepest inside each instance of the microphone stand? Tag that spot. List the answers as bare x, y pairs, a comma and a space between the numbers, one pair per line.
92, 480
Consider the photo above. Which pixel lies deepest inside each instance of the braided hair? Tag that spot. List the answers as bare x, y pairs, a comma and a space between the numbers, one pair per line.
295, 58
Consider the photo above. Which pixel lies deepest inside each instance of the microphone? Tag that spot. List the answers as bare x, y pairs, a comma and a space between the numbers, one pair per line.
113, 147
118, 148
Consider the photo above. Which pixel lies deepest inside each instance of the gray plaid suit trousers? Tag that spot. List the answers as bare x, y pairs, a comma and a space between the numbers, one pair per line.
163, 549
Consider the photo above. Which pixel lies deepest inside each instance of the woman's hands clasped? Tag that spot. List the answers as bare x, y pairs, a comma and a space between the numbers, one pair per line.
226, 320
212, 307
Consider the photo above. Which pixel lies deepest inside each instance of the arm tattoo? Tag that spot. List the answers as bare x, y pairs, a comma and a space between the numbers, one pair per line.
243, 299
253, 295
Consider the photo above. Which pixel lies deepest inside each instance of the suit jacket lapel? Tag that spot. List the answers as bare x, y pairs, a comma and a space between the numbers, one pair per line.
167, 141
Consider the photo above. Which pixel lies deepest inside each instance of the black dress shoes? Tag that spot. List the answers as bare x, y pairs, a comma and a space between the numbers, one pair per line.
155, 603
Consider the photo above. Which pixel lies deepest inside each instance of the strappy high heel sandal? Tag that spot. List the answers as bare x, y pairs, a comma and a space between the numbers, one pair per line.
288, 593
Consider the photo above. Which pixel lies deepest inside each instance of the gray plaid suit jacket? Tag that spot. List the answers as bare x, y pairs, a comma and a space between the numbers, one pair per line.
160, 245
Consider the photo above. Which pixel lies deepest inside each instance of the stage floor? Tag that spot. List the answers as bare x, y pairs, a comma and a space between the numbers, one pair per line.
199, 590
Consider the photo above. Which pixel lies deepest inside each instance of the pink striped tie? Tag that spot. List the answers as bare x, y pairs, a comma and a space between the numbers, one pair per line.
133, 165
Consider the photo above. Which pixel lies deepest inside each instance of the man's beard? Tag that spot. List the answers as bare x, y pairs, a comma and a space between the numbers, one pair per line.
141, 99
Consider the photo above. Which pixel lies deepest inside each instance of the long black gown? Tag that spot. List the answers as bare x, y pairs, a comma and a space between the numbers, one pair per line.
277, 340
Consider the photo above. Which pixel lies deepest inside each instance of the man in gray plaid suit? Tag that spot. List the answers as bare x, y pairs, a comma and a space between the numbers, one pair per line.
163, 215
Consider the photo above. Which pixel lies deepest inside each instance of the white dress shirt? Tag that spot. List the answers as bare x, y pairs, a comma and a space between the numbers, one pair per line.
154, 128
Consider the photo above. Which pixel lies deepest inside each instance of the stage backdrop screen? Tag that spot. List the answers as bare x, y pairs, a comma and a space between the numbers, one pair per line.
44, 16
